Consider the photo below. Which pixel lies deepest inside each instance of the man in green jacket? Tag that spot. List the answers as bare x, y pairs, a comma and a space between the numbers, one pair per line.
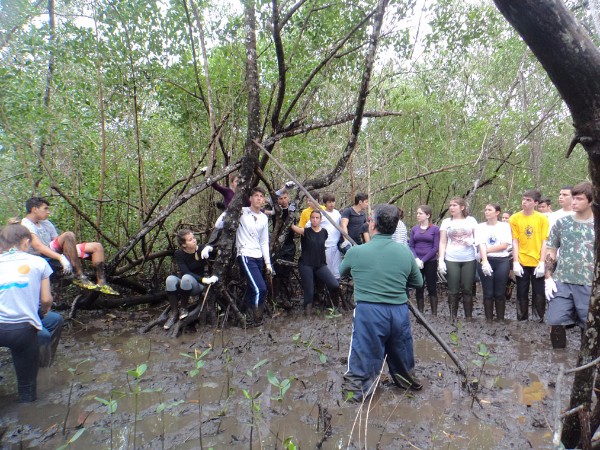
382, 269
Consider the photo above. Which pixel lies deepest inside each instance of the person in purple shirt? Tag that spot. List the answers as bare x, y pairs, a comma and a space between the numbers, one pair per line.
424, 242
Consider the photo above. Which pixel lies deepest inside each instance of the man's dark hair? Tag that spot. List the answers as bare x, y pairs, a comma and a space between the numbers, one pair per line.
546, 200
315, 195
567, 188
328, 197
386, 217
533, 194
257, 189
360, 197
12, 235
584, 188
35, 202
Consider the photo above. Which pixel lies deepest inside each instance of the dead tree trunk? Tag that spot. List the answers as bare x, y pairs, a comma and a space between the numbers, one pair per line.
572, 62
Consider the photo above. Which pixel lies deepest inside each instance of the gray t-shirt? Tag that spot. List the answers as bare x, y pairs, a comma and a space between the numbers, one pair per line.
44, 230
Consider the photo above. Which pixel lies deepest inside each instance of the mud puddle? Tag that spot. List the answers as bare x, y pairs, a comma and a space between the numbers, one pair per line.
237, 399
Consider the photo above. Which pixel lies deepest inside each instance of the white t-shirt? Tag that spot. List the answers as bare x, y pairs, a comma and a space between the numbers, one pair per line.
21, 276
333, 235
461, 239
44, 230
555, 215
491, 235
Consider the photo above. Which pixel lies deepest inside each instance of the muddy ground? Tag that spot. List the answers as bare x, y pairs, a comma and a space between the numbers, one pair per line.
516, 392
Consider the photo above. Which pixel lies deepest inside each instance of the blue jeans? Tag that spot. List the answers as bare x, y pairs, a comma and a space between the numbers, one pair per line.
494, 286
49, 336
379, 329
22, 340
256, 288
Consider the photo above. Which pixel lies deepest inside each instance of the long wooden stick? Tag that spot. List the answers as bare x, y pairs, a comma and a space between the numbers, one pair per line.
420, 318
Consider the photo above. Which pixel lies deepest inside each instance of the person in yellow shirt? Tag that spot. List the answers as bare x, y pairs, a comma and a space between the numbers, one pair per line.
305, 215
529, 233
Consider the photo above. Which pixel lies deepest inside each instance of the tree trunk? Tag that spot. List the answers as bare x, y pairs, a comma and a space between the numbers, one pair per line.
572, 62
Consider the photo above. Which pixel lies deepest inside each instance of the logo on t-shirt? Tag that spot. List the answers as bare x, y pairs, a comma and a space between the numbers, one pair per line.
529, 231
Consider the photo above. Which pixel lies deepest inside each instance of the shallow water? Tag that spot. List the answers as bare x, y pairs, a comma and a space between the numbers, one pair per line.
515, 397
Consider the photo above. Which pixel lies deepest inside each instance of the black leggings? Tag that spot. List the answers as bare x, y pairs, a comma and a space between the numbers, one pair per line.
308, 275
429, 273
22, 340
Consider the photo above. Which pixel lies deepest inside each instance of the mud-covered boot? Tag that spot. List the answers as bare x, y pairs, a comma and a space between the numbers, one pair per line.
522, 308
488, 308
453, 305
308, 308
468, 305
174, 312
421, 304
539, 306
184, 301
258, 313
500, 308
558, 336
433, 302
334, 294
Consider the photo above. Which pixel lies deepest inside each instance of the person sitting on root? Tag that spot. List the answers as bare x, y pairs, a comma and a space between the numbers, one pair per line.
24, 298
189, 279
313, 263
46, 242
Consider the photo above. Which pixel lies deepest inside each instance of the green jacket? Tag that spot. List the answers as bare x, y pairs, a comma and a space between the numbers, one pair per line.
381, 269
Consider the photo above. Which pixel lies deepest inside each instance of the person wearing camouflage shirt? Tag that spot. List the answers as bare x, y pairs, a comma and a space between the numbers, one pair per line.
570, 270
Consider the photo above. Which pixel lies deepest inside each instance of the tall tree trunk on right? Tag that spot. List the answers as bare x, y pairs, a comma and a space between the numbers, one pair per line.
572, 62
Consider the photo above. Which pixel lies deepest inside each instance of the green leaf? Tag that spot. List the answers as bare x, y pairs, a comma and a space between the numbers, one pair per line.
296, 337
260, 364
322, 357
272, 378
160, 408
454, 338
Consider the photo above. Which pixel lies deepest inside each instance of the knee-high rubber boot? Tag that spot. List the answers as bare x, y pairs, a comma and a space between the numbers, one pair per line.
421, 303
488, 308
184, 301
522, 308
433, 302
453, 304
500, 308
539, 305
335, 297
468, 305
100, 273
558, 336
173, 299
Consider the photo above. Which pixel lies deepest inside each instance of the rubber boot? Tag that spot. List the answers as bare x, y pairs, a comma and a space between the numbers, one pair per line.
522, 308
558, 336
488, 308
468, 305
308, 309
334, 294
453, 304
433, 301
500, 308
100, 273
539, 305
421, 304
258, 312
174, 313
184, 301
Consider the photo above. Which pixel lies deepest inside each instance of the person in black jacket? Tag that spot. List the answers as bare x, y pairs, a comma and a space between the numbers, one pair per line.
189, 278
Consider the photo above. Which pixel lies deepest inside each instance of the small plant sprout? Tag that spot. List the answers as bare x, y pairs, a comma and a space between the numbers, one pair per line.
282, 386
73, 372
199, 363
288, 444
136, 374
160, 410
72, 439
252, 396
484, 357
308, 345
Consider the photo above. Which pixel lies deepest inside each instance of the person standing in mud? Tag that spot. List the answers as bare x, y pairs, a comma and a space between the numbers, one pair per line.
424, 243
287, 251
493, 237
529, 233
25, 298
570, 272
312, 264
382, 270
252, 242
457, 256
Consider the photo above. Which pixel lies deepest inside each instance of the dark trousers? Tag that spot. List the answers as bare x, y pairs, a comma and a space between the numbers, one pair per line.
379, 329
538, 298
429, 273
494, 286
309, 275
256, 288
22, 340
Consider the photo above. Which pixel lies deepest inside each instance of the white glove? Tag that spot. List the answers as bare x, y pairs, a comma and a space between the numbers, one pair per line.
269, 268
518, 269
66, 265
210, 280
205, 253
442, 267
419, 263
345, 244
550, 288
486, 269
290, 185
540, 270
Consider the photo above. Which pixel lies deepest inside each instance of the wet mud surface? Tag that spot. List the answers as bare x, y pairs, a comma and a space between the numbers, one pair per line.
231, 403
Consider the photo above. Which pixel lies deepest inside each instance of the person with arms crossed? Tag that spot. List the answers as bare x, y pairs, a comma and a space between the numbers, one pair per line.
381, 270
570, 272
